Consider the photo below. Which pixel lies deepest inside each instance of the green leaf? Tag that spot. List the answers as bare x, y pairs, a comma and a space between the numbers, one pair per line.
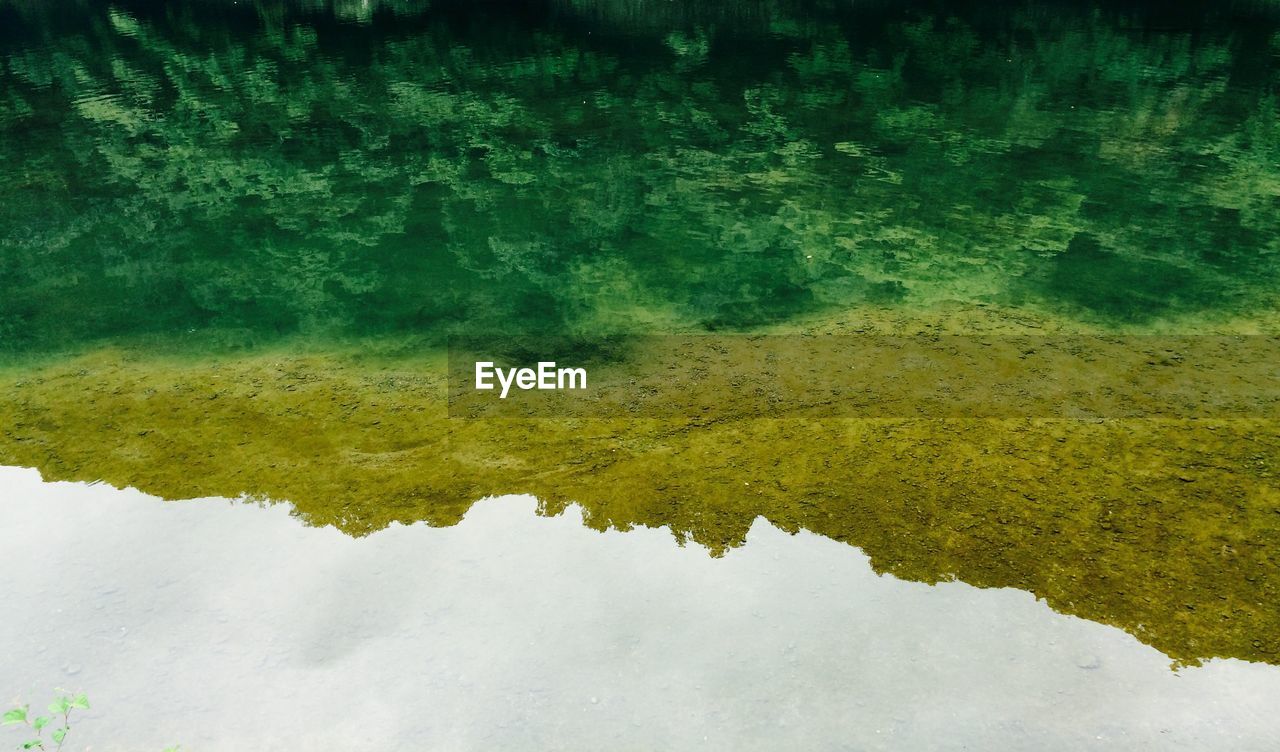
59, 735
41, 722
59, 706
33, 744
17, 715
80, 701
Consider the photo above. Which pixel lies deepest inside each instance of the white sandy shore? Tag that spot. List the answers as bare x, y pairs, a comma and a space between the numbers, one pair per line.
223, 626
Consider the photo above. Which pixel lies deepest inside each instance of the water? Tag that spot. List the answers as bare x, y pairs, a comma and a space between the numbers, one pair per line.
235, 238
225, 626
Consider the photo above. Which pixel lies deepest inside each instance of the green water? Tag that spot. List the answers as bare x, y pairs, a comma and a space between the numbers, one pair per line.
257, 169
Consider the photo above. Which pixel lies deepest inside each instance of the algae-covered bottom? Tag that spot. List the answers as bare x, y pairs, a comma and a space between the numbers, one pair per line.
1166, 528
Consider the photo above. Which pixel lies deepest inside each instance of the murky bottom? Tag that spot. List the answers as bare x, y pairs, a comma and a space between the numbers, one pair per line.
227, 626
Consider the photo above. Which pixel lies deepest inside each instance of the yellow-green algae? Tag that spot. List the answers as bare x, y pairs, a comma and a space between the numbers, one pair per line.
1168, 529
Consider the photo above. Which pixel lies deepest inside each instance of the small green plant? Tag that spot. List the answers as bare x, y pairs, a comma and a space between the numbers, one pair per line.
61, 707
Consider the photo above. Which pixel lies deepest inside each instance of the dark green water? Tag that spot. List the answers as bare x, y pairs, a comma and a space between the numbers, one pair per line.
255, 170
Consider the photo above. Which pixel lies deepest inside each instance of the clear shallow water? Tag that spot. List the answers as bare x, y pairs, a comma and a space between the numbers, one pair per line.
227, 626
